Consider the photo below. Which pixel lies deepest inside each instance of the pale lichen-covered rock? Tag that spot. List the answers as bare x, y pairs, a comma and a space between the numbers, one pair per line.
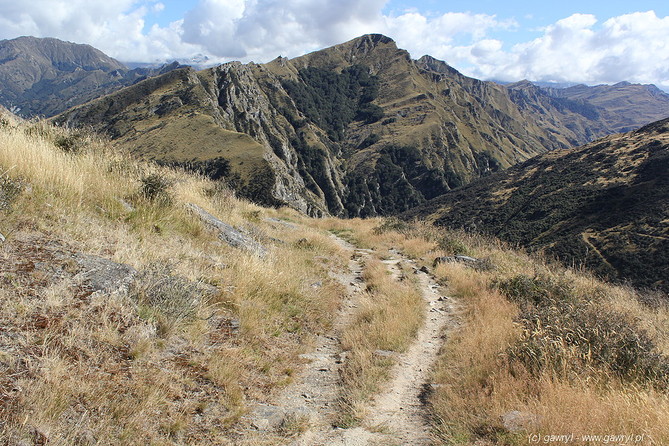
516, 420
104, 275
228, 233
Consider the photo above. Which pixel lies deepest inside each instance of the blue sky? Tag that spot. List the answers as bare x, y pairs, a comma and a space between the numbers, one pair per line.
531, 15
565, 40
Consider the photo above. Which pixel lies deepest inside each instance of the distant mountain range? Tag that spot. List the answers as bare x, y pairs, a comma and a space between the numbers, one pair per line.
623, 106
43, 76
604, 205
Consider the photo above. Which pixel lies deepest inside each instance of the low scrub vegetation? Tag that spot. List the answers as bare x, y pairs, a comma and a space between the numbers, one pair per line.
545, 351
205, 330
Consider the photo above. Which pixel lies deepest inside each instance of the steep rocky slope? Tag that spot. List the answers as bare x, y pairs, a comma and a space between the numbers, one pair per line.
45, 76
604, 205
579, 121
394, 131
357, 129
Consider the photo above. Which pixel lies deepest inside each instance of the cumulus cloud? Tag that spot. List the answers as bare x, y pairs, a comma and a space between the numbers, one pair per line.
264, 29
632, 47
577, 48
115, 27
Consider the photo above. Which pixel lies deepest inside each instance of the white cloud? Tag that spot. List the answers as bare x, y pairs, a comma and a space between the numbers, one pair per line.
438, 36
264, 29
115, 27
578, 48
632, 47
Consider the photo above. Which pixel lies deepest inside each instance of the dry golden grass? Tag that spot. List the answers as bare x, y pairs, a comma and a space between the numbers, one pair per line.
479, 382
179, 363
164, 364
31, 155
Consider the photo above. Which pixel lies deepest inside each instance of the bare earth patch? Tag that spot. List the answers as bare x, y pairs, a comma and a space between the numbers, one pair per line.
306, 411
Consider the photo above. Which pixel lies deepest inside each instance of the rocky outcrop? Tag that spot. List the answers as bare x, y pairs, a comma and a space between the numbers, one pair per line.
100, 274
229, 234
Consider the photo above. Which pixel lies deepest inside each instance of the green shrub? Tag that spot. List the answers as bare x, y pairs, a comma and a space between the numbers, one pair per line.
452, 245
155, 188
333, 100
393, 224
70, 143
369, 141
369, 113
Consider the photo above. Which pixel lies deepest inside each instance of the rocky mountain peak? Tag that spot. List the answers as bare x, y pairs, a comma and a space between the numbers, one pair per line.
357, 129
368, 42
372, 50
522, 85
431, 64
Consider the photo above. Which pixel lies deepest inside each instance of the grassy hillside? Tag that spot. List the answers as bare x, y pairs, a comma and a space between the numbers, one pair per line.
604, 206
126, 320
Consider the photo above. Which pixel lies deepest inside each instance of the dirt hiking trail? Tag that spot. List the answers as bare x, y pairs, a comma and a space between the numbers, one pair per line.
398, 415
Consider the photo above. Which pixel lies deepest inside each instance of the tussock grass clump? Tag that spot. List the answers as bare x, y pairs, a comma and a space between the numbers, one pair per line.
567, 335
166, 298
567, 352
74, 178
392, 224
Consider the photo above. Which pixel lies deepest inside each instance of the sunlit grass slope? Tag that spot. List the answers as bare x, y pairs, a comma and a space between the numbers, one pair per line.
206, 330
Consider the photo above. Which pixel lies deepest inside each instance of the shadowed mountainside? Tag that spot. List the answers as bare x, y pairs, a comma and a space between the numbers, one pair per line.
623, 106
604, 205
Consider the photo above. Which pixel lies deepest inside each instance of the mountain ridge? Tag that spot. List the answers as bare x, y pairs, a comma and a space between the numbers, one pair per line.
602, 205
295, 146
357, 129
625, 106
46, 76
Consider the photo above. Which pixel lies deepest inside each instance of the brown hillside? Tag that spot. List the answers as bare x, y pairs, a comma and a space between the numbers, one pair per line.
604, 205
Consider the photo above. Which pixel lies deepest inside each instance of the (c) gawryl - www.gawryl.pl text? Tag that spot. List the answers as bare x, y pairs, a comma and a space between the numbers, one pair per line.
590, 439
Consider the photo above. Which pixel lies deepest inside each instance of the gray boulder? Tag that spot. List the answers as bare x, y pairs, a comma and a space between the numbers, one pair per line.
454, 259
104, 275
229, 234
516, 421
281, 222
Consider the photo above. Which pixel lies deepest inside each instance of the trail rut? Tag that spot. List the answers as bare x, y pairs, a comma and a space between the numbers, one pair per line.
397, 415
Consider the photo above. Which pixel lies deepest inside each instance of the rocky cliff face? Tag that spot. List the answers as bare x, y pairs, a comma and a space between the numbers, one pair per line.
576, 120
358, 129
